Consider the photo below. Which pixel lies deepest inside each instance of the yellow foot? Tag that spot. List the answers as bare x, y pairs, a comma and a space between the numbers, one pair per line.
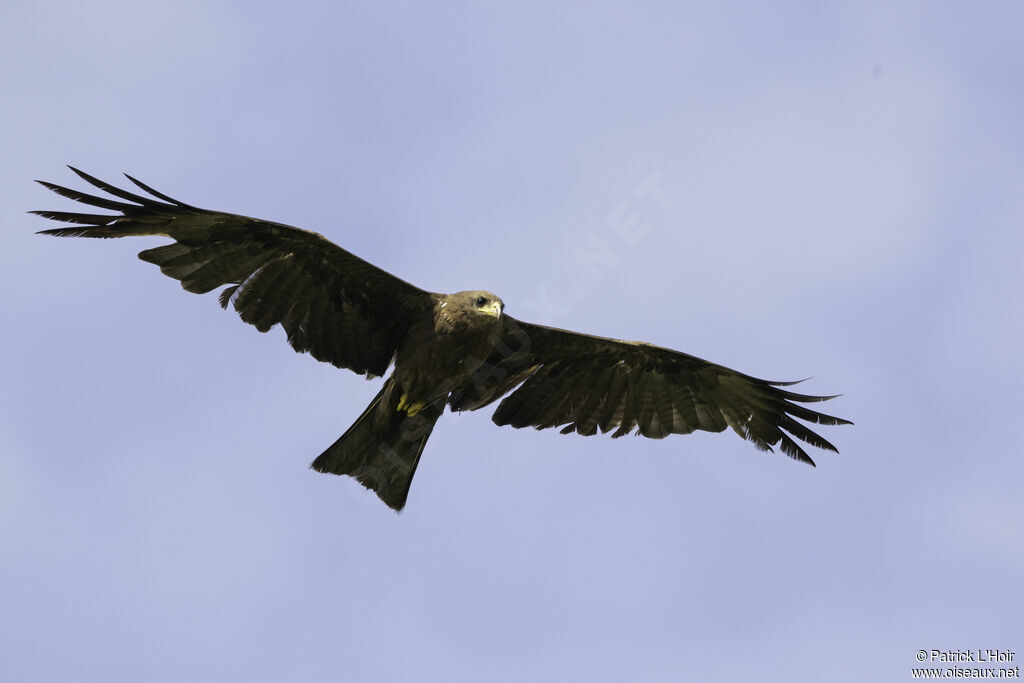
411, 408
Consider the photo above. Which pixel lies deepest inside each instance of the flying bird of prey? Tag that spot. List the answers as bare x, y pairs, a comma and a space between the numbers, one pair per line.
459, 350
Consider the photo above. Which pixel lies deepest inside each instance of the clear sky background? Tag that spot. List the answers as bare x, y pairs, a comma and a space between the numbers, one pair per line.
845, 191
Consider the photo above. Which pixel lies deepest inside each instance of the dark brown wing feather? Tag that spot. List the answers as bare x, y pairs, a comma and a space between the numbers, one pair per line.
334, 305
584, 384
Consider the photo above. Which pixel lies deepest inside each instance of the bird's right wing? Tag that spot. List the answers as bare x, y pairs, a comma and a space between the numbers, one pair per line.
332, 304
582, 383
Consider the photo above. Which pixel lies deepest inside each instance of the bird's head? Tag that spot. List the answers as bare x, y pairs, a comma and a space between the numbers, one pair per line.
478, 303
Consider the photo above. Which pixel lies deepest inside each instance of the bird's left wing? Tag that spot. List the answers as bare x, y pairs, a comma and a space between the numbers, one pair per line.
332, 304
583, 383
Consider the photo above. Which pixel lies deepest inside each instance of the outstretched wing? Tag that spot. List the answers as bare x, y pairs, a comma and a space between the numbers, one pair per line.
584, 383
334, 305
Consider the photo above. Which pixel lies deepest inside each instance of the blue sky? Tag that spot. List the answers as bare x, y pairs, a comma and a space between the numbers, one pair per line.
843, 199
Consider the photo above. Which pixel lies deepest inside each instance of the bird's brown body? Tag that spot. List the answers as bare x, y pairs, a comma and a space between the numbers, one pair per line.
439, 353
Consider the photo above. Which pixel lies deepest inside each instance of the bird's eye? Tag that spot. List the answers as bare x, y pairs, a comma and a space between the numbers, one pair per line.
480, 301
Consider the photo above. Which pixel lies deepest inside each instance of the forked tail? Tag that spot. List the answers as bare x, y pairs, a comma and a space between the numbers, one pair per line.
382, 447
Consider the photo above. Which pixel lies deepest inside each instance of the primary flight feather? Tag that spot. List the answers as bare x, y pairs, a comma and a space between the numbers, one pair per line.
459, 350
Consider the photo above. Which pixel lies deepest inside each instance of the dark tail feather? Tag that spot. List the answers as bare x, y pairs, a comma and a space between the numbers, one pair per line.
382, 448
